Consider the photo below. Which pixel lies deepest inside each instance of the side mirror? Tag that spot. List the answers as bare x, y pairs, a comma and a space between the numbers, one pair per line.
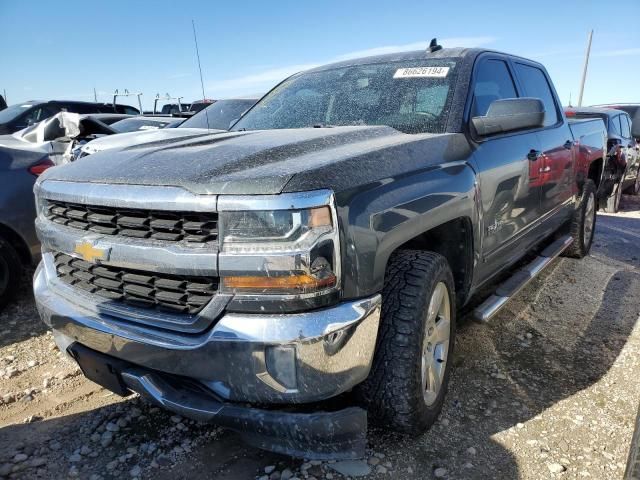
510, 114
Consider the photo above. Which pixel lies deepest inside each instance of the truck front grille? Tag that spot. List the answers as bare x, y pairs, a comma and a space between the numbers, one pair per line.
137, 223
169, 293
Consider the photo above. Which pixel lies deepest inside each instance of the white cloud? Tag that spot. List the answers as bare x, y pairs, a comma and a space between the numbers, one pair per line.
265, 80
625, 52
256, 81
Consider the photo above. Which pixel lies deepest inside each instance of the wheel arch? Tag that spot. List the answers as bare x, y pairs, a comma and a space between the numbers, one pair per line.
454, 241
17, 242
596, 171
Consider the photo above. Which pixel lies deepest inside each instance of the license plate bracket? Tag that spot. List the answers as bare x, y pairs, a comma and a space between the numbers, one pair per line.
100, 368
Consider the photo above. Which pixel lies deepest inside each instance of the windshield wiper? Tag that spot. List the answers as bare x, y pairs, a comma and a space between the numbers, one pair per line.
322, 125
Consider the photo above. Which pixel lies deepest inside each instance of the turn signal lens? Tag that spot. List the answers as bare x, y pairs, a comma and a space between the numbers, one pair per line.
319, 217
287, 284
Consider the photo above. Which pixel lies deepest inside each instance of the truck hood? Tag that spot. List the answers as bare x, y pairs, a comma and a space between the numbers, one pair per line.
129, 139
266, 161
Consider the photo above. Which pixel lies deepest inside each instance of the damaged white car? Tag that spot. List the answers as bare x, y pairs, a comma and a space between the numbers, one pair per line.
60, 134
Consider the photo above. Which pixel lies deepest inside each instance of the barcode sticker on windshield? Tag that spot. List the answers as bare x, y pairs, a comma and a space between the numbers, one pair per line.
417, 72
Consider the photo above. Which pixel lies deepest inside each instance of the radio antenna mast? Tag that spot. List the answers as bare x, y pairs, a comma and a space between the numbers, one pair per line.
195, 39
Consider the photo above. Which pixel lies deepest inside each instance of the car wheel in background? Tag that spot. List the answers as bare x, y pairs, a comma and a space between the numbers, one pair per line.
10, 272
583, 223
412, 364
635, 188
611, 204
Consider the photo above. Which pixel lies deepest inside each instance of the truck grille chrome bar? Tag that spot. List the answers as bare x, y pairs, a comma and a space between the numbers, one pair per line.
169, 293
168, 226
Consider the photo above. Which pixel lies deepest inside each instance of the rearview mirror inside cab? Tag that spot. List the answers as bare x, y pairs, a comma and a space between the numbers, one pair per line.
510, 114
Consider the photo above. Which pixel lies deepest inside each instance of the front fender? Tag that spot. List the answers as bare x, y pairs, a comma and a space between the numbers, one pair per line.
383, 216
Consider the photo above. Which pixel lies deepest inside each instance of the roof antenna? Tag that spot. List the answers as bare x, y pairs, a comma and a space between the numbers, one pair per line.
195, 38
433, 46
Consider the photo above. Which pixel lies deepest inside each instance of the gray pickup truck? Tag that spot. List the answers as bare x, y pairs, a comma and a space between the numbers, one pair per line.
287, 277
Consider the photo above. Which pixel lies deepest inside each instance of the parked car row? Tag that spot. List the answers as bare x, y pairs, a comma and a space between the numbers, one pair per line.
22, 115
261, 259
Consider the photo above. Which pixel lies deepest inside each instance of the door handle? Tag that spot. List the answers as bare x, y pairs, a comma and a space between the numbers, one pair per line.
568, 144
534, 155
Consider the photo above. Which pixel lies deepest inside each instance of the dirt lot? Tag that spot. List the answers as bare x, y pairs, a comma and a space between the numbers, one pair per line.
548, 390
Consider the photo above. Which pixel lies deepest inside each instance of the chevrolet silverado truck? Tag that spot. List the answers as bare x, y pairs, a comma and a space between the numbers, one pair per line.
302, 271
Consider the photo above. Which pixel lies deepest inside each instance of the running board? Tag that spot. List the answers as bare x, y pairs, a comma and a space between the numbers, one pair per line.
514, 284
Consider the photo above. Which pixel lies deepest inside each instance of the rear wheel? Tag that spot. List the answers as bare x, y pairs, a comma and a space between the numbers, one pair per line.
10, 272
410, 372
583, 222
635, 188
611, 204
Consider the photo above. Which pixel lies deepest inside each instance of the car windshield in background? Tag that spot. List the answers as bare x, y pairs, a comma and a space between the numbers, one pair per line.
219, 115
411, 96
13, 111
136, 124
199, 106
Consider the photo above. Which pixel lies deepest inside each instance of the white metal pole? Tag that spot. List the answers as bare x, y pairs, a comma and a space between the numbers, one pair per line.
584, 71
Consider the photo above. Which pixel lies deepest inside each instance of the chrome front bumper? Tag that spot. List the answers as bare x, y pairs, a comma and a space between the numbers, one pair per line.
274, 358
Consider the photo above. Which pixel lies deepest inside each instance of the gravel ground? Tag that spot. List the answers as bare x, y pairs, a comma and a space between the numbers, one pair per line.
547, 390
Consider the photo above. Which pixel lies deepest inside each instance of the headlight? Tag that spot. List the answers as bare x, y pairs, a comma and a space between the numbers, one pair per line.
275, 230
280, 259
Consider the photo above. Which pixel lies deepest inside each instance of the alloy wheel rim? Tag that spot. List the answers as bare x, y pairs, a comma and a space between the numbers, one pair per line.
435, 345
589, 220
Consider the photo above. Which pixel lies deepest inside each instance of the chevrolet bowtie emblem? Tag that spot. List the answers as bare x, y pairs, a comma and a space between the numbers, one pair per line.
90, 253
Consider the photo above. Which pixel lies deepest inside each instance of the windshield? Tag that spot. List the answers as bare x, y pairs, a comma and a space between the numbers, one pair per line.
135, 124
196, 107
220, 114
410, 96
13, 111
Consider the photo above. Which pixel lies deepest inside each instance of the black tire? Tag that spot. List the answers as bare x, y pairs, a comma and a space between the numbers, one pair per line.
579, 228
634, 189
394, 390
611, 204
632, 472
10, 272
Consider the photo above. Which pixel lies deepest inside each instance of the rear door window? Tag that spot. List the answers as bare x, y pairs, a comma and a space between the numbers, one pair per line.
614, 126
493, 82
535, 85
626, 128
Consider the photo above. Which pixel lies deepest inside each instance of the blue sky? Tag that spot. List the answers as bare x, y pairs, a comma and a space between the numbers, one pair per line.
64, 49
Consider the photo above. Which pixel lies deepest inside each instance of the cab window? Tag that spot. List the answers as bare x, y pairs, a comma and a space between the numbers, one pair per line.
614, 126
535, 85
493, 82
626, 129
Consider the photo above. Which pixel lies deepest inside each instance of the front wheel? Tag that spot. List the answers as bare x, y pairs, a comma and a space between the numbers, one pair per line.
583, 222
410, 373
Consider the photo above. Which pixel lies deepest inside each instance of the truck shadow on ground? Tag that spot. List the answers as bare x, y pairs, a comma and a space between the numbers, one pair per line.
502, 379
